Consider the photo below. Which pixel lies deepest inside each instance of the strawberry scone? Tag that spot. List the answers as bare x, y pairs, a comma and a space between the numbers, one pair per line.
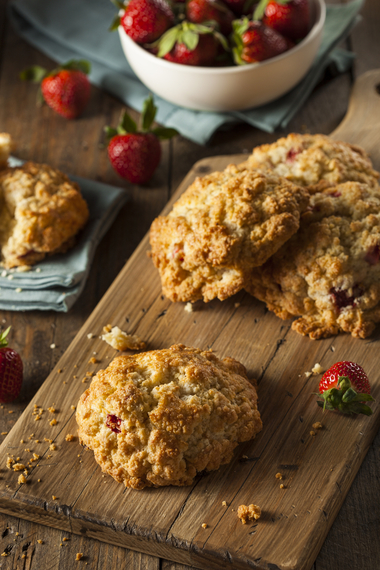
41, 210
315, 161
160, 417
223, 226
328, 274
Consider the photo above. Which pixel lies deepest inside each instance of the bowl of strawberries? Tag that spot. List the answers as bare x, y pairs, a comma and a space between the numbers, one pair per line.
221, 55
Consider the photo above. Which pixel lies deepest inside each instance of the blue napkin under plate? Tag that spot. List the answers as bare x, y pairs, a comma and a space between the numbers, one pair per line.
56, 282
74, 29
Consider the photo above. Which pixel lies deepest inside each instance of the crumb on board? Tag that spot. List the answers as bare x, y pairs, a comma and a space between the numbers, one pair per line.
69, 437
52, 447
312, 433
38, 480
10, 462
308, 374
317, 369
53, 422
93, 360
278, 475
204, 525
52, 410
249, 513
189, 308
224, 504
21, 479
18, 467
4, 433
73, 407
52, 345
282, 486
48, 440
40, 541
54, 497
237, 305
90, 335
79, 556
120, 340
65, 539
317, 425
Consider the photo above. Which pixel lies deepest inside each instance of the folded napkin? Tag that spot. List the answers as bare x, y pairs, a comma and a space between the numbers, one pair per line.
56, 282
79, 29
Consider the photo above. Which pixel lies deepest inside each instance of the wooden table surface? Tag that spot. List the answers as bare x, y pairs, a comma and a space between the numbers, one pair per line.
77, 147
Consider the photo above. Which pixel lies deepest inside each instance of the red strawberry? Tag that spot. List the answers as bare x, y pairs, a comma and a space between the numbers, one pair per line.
146, 20
135, 155
345, 387
191, 44
199, 11
65, 89
256, 42
11, 371
291, 18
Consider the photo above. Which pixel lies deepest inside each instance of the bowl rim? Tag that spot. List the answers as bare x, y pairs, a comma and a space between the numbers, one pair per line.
232, 69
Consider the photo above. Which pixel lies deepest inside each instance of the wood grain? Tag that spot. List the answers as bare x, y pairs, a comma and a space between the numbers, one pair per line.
72, 495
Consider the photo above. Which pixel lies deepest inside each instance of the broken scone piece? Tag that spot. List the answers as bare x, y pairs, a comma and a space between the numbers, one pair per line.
328, 274
249, 513
223, 226
121, 340
160, 417
5, 149
41, 210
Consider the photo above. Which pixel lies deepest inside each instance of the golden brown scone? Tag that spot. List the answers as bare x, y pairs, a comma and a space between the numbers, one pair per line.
41, 210
316, 161
5, 149
225, 224
329, 272
158, 418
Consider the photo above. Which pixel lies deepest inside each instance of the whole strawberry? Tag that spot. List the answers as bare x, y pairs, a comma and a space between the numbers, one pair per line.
146, 20
291, 18
11, 371
198, 11
254, 42
135, 154
66, 89
191, 44
345, 387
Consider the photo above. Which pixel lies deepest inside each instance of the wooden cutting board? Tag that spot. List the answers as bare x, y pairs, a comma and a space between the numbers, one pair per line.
66, 489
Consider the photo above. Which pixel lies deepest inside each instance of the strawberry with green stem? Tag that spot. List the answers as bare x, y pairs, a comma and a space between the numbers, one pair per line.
135, 154
291, 18
254, 42
144, 20
11, 370
66, 89
345, 387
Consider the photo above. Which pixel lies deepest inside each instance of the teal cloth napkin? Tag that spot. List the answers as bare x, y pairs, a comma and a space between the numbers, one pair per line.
56, 282
79, 29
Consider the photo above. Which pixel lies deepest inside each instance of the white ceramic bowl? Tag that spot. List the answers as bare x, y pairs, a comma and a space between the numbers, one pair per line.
227, 88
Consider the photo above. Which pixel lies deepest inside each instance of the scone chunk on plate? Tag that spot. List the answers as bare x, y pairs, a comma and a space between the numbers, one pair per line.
160, 417
328, 274
41, 210
316, 161
223, 225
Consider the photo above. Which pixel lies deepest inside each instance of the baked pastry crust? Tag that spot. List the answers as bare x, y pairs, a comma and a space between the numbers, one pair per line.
316, 161
223, 225
329, 272
41, 210
158, 418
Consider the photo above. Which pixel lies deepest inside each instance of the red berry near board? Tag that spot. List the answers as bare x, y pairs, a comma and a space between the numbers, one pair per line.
11, 371
146, 20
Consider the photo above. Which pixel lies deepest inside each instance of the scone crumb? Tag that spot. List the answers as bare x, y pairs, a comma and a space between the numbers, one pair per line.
107, 328
54, 497
52, 447
120, 340
73, 407
10, 462
278, 476
69, 437
48, 440
92, 360
333, 349
249, 514
79, 556
224, 504
90, 335
282, 486
52, 410
53, 422
308, 374
317, 425
21, 479
40, 541
189, 308
204, 525
237, 305
317, 369
65, 539
312, 433
4, 433
52, 345
38, 480
18, 467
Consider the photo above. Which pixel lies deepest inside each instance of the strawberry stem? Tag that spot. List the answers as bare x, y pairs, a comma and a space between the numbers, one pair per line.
3, 339
345, 399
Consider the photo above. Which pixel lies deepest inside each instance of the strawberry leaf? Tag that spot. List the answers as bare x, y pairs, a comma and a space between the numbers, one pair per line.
3, 338
126, 125
39, 98
149, 111
35, 74
190, 39
222, 40
77, 65
167, 41
114, 24
260, 10
119, 5
164, 133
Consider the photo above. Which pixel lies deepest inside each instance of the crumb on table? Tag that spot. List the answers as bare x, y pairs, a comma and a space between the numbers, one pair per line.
278, 475
21, 479
69, 437
189, 308
120, 340
249, 513
317, 425
317, 369
79, 556
204, 525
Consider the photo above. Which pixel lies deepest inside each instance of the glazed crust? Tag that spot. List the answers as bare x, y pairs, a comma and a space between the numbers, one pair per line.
223, 225
329, 272
315, 161
158, 418
41, 210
